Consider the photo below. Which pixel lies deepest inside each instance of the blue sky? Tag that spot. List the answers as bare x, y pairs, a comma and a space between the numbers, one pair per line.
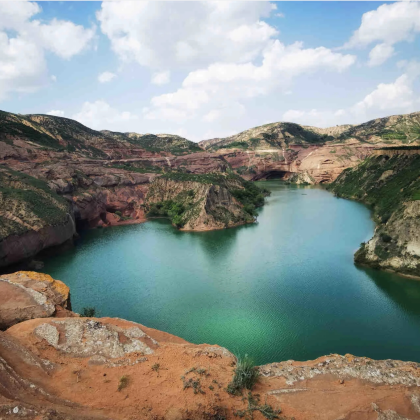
209, 69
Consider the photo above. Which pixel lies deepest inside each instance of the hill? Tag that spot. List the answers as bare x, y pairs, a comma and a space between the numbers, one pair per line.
396, 129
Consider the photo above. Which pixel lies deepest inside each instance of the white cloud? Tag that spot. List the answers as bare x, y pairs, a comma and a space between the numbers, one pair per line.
386, 26
56, 112
387, 98
106, 77
22, 48
379, 54
186, 34
22, 66
398, 95
63, 38
389, 23
99, 115
161, 78
221, 85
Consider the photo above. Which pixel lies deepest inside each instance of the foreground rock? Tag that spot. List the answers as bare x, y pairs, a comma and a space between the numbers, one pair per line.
109, 368
26, 295
389, 181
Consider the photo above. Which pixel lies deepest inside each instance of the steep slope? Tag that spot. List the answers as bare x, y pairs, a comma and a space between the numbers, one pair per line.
32, 217
403, 129
51, 133
204, 202
389, 182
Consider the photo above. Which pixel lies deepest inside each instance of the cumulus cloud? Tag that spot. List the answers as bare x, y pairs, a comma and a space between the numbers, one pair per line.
56, 113
106, 77
224, 84
398, 95
161, 78
63, 38
23, 42
186, 34
387, 25
100, 115
386, 99
379, 54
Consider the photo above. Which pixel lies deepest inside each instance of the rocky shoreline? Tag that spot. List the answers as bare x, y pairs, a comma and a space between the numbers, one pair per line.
389, 182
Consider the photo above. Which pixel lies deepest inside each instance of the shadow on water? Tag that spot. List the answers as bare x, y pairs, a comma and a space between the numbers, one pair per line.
405, 292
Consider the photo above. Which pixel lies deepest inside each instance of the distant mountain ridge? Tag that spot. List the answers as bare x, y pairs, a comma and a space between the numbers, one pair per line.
403, 129
67, 135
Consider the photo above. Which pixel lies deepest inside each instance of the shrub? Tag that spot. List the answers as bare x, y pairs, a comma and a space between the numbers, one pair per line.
88, 312
123, 383
246, 375
385, 237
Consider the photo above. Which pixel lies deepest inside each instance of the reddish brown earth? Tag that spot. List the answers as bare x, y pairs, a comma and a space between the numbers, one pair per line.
109, 368
318, 163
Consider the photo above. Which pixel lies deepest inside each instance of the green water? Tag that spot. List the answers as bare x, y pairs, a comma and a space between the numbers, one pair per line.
284, 288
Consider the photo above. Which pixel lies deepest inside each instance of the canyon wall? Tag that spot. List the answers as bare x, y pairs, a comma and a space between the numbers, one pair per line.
390, 183
87, 178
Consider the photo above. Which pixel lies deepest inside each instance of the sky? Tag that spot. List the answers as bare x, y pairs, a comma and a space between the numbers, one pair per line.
209, 69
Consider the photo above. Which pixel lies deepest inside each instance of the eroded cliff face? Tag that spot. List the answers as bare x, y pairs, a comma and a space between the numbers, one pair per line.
202, 205
286, 149
390, 183
109, 368
32, 217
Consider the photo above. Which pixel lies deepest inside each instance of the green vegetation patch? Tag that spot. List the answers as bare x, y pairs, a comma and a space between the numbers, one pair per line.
172, 209
139, 167
173, 144
385, 194
245, 375
26, 201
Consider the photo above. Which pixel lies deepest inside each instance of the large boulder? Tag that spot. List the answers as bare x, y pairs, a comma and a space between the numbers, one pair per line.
27, 294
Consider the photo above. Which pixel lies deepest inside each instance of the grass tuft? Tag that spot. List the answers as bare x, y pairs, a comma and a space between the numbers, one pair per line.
245, 377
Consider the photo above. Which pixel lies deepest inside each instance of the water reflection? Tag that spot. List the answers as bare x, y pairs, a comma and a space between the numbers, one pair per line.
405, 292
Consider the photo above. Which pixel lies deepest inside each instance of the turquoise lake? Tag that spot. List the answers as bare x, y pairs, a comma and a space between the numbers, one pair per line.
283, 288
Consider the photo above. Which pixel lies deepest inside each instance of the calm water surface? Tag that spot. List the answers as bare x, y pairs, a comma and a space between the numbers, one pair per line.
284, 288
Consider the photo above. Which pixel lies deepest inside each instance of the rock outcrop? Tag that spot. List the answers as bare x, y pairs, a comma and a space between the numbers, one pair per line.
283, 149
28, 295
109, 368
390, 183
203, 202
32, 217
